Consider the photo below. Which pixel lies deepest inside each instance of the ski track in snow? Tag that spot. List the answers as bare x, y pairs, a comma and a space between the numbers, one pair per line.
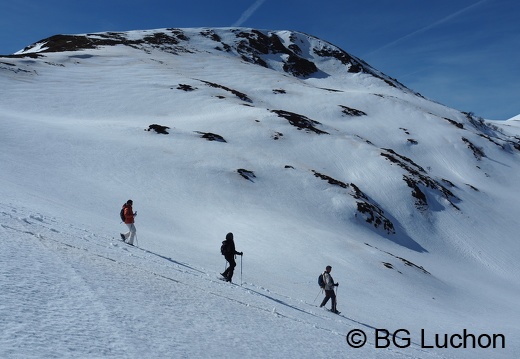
93, 296
72, 145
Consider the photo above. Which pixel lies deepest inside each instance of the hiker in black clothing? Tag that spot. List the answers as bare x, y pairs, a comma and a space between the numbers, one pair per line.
329, 290
228, 251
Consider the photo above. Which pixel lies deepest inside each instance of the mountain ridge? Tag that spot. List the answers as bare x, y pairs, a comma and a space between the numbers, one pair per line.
399, 193
279, 51
253, 46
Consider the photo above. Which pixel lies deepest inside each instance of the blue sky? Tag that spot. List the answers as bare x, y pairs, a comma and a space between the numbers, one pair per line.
462, 53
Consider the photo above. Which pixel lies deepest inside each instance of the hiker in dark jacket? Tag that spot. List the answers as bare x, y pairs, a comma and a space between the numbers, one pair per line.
229, 252
329, 290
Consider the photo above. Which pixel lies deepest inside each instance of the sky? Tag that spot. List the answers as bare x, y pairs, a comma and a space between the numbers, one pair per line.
461, 53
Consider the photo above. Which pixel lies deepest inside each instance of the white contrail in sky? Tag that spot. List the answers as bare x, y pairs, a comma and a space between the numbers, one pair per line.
428, 27
247, 14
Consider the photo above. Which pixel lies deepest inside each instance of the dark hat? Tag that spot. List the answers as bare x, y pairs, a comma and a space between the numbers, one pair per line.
229, 236
328, 267
129, 201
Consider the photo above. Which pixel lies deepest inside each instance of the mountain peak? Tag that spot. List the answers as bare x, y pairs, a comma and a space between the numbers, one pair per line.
303, 151
295, 53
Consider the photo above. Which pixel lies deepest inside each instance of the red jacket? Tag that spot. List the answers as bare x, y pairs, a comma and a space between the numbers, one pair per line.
129, 214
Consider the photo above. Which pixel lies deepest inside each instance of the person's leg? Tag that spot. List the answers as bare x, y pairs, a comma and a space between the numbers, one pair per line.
225, 273
333, 304
132, 229
326, 299
232, 265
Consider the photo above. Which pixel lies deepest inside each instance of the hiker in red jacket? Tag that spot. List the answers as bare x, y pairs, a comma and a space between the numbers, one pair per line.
129, 216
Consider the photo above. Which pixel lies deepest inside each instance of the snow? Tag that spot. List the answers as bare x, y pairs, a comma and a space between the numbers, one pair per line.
514, 122
73, 149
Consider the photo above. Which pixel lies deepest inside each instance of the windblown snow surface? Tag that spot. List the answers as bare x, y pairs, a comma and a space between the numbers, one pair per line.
414, 205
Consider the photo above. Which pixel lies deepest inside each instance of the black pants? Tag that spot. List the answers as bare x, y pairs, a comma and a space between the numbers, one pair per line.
228, 273
329, 294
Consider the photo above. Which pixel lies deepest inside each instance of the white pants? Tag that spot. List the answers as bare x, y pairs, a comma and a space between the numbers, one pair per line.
131, 234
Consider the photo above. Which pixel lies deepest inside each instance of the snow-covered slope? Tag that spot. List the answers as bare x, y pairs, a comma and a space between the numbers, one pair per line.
316, 159
515, 122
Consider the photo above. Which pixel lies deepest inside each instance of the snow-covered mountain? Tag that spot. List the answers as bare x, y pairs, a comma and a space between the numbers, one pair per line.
514, 121
306, 153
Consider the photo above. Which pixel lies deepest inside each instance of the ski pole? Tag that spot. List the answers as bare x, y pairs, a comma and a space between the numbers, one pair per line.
336, 293
317, 296
241, 269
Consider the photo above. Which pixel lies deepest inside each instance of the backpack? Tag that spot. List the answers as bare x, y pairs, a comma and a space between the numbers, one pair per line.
321, 282
122, 213
224, 248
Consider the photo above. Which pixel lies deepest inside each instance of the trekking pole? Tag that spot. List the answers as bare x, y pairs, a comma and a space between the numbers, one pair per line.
317, 296
241, 270
336, 298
